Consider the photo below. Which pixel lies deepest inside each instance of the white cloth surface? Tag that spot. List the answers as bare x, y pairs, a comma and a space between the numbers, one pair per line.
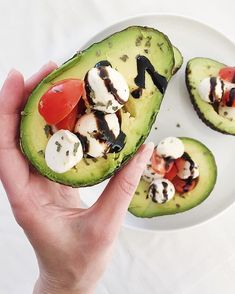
196, 260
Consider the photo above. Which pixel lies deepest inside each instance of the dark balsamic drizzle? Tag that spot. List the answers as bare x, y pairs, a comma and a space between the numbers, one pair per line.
165, 194
103, 63
88, 90
144, 64
189, 180
137, 93
103, 73
213, 84
231, 99
104, 135
84, 142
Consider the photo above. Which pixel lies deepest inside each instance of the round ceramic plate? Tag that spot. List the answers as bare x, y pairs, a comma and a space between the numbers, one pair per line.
178, 118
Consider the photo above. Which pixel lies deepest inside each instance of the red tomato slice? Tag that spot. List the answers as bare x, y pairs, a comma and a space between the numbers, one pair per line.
68, 123
172, 173
60, 100
159, 164
181, 186
227, 74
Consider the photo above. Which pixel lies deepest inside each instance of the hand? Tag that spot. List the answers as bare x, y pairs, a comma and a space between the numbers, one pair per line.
72, 245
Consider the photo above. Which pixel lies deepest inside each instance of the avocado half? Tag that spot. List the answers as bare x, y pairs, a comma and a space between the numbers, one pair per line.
196, 70
142, 206
138, 115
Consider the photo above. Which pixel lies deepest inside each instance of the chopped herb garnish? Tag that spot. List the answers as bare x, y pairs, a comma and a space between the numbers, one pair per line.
41, 152
148, 43
67, 153
94, 159
59, 146
98, 53
146, 51
138, 40
124, 57
155, 128
178, 125
86, 162
160, 46
115, 108
100, 104
109, 104
48, 130
225, 113
137, 193
177, 205
75, 148
62, 138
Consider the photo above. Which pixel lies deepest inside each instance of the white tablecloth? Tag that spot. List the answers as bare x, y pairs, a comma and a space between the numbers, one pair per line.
192, 261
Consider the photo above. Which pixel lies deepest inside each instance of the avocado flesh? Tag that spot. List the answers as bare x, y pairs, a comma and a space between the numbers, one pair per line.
197, 69
120, 49
144, 207
178, 60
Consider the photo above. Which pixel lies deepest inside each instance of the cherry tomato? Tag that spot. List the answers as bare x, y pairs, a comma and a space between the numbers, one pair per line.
60, 100
160, 165
68, 123
182, 186
171, 173
227, 74
229, 98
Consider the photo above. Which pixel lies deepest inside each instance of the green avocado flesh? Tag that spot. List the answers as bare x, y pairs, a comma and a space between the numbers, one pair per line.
138, 115
197, 69
142, 206
178, 60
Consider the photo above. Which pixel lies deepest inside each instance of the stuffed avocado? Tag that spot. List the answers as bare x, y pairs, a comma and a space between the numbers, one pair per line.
181, 174
211, 86
139, 57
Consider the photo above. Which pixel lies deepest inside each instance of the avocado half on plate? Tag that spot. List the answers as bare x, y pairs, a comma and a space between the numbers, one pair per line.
122, 50
192, 190
200, 69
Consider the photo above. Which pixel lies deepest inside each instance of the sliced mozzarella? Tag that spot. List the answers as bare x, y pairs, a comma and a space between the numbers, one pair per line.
109, 90
149, 174
161, 190
89, 126
63, 151
227, 112
186, 170
170, 147
211, 89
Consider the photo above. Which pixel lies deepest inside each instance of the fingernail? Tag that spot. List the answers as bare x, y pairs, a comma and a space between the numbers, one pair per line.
147, 151
12, 71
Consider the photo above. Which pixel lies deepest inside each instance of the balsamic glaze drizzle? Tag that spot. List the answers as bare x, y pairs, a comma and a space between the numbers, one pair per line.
103, 63
189, 180
231, 99
144, 64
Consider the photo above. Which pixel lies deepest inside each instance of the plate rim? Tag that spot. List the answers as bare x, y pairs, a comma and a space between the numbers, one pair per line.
119, 22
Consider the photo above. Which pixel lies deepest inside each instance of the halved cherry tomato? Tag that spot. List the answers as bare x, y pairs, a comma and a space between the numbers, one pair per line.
228, 98
68, 123
160, 165
60, 100
172, 173
227, 74
183, 186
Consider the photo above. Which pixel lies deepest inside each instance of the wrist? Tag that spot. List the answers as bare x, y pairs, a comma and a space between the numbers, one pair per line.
52, 286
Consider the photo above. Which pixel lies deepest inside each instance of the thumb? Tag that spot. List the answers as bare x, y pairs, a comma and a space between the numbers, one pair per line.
114, 201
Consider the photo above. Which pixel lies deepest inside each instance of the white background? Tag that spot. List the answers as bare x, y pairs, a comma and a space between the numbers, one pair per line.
197, 260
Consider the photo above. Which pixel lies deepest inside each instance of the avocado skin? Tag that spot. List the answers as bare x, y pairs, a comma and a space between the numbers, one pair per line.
192, 97
143, 207
57, 73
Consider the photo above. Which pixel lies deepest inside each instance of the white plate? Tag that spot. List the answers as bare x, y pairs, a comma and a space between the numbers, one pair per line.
193, 39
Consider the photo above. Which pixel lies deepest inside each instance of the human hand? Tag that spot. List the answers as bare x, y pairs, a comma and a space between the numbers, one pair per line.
72, 244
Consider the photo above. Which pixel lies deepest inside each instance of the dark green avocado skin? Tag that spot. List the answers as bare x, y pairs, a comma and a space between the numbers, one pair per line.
192, 98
